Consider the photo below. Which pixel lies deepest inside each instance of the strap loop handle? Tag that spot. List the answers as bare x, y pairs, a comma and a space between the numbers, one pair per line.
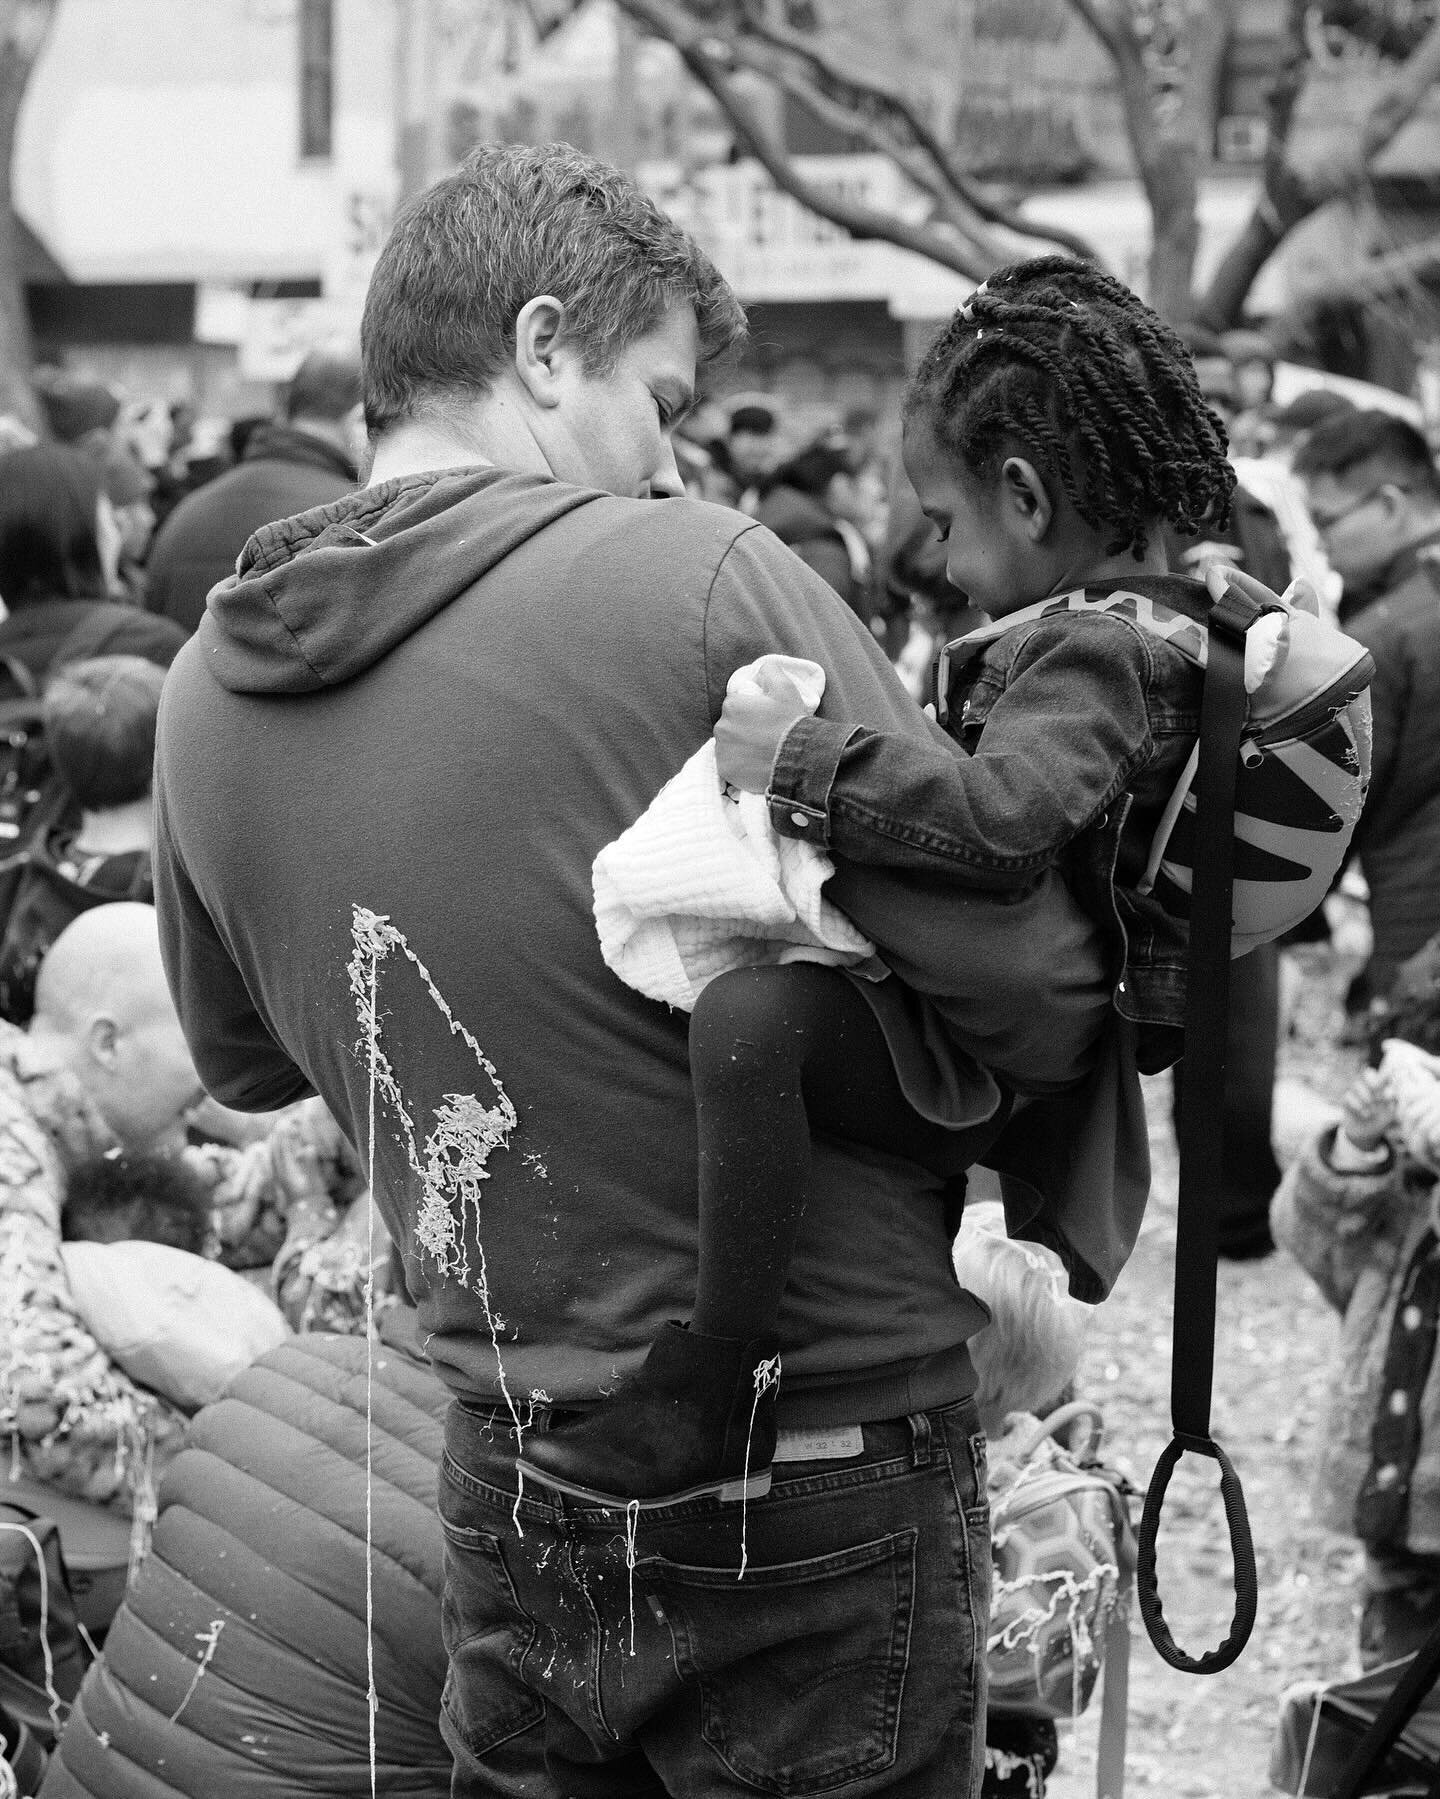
1223, 714
1242, 1557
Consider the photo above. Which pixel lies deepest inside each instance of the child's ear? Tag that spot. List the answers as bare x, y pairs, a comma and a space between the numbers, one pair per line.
1026, 497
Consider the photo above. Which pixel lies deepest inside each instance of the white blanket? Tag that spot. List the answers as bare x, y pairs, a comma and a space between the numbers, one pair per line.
702, 883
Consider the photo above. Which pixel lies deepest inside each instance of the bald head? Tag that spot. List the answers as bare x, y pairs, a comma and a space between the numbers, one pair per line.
104, 1010
105, 961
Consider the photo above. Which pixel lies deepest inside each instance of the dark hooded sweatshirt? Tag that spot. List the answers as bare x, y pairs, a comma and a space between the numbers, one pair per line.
437, 700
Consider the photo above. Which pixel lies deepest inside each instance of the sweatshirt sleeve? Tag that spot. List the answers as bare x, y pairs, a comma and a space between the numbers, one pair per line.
236, 1057
1329, 1221
764, 600
1058, 745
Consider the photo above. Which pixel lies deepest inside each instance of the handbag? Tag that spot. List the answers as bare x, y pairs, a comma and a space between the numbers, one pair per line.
1064, 1558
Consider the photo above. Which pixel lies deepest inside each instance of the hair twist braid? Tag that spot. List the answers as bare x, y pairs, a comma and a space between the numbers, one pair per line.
1062, 362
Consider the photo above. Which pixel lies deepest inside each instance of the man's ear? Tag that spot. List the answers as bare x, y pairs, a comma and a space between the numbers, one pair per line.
102, 1039
538, 327
1025, 497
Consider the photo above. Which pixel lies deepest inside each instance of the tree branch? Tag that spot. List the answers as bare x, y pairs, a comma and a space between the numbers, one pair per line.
862, 222
1116, 32
1288, 194
862, 104
24, 27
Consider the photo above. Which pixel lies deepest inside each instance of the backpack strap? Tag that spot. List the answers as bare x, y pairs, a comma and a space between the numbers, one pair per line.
1201, 1127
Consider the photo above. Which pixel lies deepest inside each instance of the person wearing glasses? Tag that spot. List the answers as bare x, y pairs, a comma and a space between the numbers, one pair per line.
1375, 498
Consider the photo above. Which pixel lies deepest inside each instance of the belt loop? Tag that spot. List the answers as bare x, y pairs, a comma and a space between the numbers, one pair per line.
919, 1439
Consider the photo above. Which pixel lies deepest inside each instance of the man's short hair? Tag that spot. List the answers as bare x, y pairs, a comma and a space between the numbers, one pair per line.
100, 728
325, 386
1349, 439
513, 222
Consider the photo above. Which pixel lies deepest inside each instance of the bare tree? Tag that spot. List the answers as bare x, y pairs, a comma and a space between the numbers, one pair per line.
24, 27
1289, 192
727, 45
1169, 61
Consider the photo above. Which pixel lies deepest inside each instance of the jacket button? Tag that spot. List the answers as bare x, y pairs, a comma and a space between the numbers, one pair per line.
799, 819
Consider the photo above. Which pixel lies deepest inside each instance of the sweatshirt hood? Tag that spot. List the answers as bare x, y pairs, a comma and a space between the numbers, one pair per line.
319, 598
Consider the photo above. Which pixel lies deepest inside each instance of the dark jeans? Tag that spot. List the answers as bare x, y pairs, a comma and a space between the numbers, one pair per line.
590, 1663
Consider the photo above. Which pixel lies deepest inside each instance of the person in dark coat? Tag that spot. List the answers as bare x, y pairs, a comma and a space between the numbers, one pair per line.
1375, 498
257, 1576
799, 507
60, 547
286, 468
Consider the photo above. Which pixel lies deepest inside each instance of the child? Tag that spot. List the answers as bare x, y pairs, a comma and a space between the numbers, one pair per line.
100, 720
1052, 432
1358, 1211
99, 717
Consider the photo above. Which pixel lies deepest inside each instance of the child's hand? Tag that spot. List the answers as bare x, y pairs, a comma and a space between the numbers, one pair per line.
751, 728
1414, 1077
1368, 1110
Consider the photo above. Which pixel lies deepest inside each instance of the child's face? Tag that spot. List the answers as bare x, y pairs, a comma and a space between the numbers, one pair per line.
992, 553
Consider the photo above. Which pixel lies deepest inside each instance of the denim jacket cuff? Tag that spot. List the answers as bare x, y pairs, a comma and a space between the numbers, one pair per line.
802, 776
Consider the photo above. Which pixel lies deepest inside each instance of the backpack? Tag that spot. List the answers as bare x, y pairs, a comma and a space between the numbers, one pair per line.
43, 1656
37, 901
32, 797
1303, 758
1064, 1562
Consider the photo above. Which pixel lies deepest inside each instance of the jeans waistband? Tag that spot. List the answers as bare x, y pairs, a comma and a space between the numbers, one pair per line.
913, 1435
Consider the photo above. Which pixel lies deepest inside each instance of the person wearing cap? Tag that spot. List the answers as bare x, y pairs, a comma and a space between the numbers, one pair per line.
751, 447
287, 468
809, 506
80, 410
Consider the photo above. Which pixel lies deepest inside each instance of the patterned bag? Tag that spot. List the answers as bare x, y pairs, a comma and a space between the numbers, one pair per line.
1064, 1555
1304, 749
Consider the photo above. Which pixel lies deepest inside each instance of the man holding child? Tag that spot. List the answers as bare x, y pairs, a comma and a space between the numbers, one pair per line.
386, 764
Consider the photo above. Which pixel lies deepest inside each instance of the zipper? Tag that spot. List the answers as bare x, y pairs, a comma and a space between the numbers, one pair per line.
1333, 699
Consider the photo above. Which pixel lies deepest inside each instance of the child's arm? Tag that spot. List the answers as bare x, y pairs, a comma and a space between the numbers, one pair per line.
1058, 746
1343, 1194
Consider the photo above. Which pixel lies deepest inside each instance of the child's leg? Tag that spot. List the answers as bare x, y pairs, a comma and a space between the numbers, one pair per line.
774, 1053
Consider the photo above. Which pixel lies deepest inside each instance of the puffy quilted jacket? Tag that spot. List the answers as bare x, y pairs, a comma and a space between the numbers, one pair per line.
260, 1551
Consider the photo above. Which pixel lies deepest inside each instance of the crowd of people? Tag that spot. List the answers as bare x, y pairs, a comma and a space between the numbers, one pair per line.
694, 1277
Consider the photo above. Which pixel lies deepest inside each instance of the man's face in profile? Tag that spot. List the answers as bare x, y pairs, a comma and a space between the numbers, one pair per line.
612, 431
1363, 520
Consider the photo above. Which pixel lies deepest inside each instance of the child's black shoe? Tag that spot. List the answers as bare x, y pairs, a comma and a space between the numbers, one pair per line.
697, 1421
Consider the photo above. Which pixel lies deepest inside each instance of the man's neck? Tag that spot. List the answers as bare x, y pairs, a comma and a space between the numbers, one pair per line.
488, 433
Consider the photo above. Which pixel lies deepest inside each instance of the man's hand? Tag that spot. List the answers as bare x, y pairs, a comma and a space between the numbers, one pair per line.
751, 728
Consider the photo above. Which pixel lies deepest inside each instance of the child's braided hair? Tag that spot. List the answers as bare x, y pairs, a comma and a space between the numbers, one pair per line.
1058, 360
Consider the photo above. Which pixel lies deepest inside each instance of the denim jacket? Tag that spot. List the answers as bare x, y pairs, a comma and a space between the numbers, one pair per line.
1069, 734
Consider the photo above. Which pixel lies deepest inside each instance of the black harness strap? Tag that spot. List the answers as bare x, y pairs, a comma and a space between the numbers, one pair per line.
1201, 1134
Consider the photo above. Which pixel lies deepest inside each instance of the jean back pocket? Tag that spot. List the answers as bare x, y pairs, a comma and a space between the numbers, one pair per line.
800, 1666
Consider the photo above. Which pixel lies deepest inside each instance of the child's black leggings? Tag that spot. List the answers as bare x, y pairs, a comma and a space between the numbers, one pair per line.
775, 1053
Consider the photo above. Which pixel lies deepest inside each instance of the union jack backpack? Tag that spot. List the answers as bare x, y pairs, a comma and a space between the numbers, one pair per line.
1256, 831
1303, 749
